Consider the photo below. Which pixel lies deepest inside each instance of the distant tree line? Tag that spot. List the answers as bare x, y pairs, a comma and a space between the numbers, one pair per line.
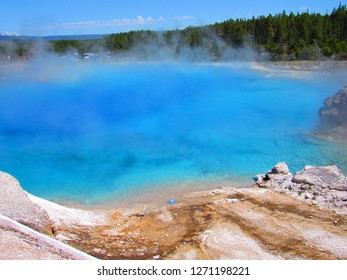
301, 36
13, 49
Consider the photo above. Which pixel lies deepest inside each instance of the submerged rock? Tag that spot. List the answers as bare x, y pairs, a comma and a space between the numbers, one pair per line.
334, 112
333, 116
322, 185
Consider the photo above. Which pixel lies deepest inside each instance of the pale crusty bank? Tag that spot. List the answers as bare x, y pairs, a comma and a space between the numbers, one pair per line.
282, 216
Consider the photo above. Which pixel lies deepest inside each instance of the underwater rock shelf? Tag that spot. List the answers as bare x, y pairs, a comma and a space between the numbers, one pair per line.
333, 116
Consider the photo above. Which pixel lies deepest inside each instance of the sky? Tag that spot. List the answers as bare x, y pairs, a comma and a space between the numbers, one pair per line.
76, 17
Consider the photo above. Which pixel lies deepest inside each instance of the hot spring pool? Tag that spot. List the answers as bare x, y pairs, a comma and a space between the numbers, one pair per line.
89, 133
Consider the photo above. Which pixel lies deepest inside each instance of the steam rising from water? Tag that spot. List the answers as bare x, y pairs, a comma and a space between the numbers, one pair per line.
87, 131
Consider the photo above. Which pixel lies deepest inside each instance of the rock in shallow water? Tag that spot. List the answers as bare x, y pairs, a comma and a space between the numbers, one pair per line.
334, 112
333, 116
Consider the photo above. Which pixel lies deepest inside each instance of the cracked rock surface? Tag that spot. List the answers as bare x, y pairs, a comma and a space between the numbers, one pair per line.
321, 185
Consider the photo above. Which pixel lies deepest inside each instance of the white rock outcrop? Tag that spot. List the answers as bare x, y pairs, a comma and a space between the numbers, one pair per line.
321, 185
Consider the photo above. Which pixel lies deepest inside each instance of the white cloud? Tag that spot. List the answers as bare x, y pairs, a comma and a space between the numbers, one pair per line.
124, 22
183, 17
6, 33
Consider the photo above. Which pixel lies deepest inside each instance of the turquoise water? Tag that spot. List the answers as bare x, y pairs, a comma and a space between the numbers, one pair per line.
96, 132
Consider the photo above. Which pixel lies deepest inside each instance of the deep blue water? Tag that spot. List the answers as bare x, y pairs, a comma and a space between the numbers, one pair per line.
95, 132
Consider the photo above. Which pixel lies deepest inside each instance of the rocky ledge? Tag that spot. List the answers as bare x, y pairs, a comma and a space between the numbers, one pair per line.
29, 225
333, 116
324, 186
225, 223
15, 204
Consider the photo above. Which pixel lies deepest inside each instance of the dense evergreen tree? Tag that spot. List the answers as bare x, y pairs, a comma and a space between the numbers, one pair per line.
17, 49
290, 37
63, 46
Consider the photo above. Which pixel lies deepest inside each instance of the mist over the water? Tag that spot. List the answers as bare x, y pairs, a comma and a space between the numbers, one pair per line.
92, 131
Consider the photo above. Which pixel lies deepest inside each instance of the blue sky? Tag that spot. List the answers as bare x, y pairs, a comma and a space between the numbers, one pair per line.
52, 17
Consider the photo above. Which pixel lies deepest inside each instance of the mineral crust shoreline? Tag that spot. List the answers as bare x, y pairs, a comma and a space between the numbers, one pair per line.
271, 220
